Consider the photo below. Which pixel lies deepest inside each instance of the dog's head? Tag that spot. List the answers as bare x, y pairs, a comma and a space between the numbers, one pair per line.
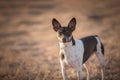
64, 34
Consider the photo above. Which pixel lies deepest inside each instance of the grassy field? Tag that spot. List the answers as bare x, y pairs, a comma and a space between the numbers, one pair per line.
29, 47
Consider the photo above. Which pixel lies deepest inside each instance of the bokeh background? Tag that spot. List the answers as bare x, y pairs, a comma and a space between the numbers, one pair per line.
29, 47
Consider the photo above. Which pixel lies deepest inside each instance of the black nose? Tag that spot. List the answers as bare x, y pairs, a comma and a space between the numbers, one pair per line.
64, 40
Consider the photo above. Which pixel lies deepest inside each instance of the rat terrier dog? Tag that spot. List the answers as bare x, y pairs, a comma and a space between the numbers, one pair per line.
75, 52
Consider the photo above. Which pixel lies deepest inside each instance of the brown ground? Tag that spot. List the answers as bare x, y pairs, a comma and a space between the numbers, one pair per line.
29, 47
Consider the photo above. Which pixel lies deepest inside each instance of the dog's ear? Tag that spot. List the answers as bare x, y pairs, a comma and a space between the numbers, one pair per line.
56, 24
72, 24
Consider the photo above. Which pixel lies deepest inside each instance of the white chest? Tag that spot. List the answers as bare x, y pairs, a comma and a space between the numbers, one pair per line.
73, 55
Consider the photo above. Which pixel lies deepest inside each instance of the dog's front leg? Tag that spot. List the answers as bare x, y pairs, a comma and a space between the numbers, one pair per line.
64, 75
79, 73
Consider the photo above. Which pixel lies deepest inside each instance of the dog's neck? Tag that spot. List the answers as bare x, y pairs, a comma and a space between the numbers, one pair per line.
66, 44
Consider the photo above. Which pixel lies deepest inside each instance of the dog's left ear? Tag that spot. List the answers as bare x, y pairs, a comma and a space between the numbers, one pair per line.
56, 24
72, 24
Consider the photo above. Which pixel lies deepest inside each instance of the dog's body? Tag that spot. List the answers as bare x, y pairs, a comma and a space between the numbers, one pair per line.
73, 52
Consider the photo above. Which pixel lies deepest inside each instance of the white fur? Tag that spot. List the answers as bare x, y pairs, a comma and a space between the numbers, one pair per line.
99, 51
100, 56
73, 56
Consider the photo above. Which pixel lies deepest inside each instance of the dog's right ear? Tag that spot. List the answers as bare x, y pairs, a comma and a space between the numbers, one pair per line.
72, 24
56, 24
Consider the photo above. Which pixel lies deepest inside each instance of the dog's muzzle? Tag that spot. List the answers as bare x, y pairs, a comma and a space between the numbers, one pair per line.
66, 39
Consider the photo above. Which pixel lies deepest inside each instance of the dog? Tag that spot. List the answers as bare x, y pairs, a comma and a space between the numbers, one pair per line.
75, 52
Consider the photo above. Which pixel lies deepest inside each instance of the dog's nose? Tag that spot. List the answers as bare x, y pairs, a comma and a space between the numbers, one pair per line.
64, 40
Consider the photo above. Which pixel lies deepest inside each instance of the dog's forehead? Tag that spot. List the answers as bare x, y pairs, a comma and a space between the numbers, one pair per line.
64, 29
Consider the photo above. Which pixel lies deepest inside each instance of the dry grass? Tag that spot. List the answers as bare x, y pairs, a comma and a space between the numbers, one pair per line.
29, 47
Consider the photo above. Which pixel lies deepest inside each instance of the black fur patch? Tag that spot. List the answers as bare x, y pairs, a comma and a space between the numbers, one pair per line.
62, 56
65, 31
73, 41
102, 47
89, 43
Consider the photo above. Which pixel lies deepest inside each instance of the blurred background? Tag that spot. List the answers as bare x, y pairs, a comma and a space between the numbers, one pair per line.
29, 47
